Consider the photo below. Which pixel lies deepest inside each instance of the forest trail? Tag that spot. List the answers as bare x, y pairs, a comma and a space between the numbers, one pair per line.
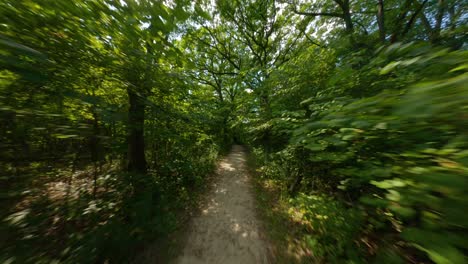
227, 230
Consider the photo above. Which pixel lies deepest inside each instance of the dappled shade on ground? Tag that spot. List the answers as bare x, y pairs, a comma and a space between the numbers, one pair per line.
227, 230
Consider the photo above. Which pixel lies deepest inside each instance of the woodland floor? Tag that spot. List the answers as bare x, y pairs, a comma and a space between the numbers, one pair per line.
227, 229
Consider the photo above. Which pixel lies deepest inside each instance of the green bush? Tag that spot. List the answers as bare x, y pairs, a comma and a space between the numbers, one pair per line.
331, 228
397, 151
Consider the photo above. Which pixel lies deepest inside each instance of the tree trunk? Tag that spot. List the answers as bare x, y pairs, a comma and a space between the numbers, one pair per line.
224, 131
452, 16
438, 25
267, 113
136, 141
344, 5
296, 185
381, 20
348, 22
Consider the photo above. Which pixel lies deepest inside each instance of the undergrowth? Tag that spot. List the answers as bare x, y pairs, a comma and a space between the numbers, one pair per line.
70, 221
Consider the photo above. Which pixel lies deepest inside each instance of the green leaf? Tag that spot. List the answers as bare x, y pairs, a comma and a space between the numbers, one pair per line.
315, 146
438, 246
65, 136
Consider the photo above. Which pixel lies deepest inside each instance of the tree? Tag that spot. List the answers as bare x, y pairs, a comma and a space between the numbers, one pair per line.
142, 41
112, 113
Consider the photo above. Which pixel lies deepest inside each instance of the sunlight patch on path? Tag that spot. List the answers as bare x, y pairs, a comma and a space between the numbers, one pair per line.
227, 230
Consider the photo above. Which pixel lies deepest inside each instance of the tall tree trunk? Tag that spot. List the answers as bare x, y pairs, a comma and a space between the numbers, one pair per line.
136, 142
224, 131
438, 25
452, 16
94, 147
348, 21
381, 20
344, 5
266, 109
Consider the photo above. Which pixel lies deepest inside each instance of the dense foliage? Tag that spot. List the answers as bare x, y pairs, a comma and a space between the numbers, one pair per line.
103, 135
373, 148
113, 112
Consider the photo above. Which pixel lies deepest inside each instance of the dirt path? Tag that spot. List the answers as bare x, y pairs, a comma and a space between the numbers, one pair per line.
227, 230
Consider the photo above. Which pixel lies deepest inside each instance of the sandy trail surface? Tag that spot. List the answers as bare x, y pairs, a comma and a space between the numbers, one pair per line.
227, 230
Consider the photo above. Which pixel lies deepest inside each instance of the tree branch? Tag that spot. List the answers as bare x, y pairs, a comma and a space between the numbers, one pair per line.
329, 14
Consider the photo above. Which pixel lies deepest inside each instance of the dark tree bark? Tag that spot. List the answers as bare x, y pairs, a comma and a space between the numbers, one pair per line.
381, 20
344, 5
296, 185
136, 142
345, 14
452, 16
439, 17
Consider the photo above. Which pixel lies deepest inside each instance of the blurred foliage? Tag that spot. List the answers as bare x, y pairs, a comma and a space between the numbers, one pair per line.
401, 151
388, 141
330, 227
67, 69
113, 112
373, 131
